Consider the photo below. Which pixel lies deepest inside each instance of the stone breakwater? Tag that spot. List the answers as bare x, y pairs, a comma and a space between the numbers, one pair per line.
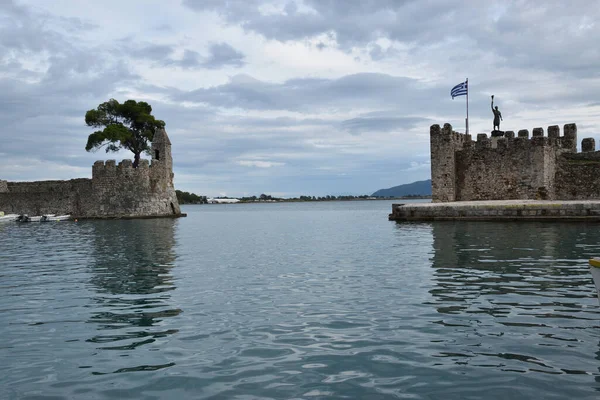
494, 210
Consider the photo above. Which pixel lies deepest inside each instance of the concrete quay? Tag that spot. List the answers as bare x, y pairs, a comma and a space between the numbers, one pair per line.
499, 210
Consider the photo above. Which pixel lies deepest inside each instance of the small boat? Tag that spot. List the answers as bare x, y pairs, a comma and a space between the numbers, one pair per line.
27, 218
595, 267
52, 217
42, 218
9, 217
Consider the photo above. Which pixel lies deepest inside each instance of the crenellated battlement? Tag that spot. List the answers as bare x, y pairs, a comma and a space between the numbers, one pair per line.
110, 168
566, 142
508, 166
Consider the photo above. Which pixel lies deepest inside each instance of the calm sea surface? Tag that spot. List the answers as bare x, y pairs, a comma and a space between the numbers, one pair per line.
298, 301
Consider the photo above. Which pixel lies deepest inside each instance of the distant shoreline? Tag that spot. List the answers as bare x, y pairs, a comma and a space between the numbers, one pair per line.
316, 201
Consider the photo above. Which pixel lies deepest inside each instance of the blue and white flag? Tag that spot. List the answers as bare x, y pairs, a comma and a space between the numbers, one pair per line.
459, 90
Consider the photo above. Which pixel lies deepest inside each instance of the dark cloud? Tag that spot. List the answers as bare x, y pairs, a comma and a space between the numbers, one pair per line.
552, 35
219, 55
353, 22
154, 52
378, 53
223, 55
189, 60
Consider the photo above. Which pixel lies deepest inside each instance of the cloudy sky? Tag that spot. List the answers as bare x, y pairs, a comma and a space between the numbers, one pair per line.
288, 97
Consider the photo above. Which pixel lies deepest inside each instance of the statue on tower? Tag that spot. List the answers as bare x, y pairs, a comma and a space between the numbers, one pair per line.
497, 116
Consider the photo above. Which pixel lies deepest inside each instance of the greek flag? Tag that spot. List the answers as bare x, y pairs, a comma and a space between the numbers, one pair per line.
459, 90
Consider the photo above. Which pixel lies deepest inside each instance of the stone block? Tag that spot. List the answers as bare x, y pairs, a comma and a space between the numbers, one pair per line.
483, 141
538, 132
502, 143
569, 139
554, 131
540, 141
570, 131
588, 145
524, 133
447, 130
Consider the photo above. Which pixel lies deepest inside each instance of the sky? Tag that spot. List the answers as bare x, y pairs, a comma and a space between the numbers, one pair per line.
290, 97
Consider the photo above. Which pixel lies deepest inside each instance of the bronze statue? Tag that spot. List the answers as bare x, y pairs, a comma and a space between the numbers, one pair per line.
497, 115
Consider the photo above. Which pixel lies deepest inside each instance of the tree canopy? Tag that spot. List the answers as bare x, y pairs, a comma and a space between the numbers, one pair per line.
130, 126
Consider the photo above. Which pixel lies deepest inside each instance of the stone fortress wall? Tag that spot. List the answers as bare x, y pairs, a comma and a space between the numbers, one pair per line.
513, 167
115, 191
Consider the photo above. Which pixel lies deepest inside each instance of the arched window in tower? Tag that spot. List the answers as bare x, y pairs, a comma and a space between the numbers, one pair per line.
157, 154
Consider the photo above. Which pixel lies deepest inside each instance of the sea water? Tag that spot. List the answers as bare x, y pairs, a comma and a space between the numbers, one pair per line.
298, 301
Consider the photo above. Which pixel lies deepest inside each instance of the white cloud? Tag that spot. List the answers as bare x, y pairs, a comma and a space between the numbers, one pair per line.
259, 164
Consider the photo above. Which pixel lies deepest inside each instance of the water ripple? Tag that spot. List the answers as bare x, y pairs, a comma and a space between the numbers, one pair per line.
297, 301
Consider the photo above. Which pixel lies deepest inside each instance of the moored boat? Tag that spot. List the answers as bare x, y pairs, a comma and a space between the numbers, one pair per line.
52, 217
42, 218
8, 217
595, 268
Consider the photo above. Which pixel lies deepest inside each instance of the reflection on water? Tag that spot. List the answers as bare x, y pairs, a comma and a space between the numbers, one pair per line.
515, 296
131, 273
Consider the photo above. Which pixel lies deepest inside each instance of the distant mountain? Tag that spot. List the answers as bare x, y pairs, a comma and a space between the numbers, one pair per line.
419, 188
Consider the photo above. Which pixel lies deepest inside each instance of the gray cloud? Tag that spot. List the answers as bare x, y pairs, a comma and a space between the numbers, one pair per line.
380, 122
150, 51
223, 55
550, 35
190, 59
220, 55
42, 105
25, 30
306, 94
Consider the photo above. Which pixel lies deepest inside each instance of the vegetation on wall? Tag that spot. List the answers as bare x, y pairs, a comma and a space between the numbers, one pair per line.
130, 126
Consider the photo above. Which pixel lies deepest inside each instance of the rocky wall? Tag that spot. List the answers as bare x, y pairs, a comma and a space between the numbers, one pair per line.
578, 176
44, 197
518, 168
115, 191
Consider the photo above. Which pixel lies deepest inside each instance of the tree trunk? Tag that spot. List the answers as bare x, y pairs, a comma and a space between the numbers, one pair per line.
136, 160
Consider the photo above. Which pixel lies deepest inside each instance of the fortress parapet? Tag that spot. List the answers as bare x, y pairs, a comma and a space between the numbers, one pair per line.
504, 167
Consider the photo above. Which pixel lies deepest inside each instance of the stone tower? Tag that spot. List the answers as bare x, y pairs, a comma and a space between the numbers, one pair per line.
161, 149
444, 144
162, 160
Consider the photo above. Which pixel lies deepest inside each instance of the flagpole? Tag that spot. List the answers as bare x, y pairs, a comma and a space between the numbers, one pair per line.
467, 106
